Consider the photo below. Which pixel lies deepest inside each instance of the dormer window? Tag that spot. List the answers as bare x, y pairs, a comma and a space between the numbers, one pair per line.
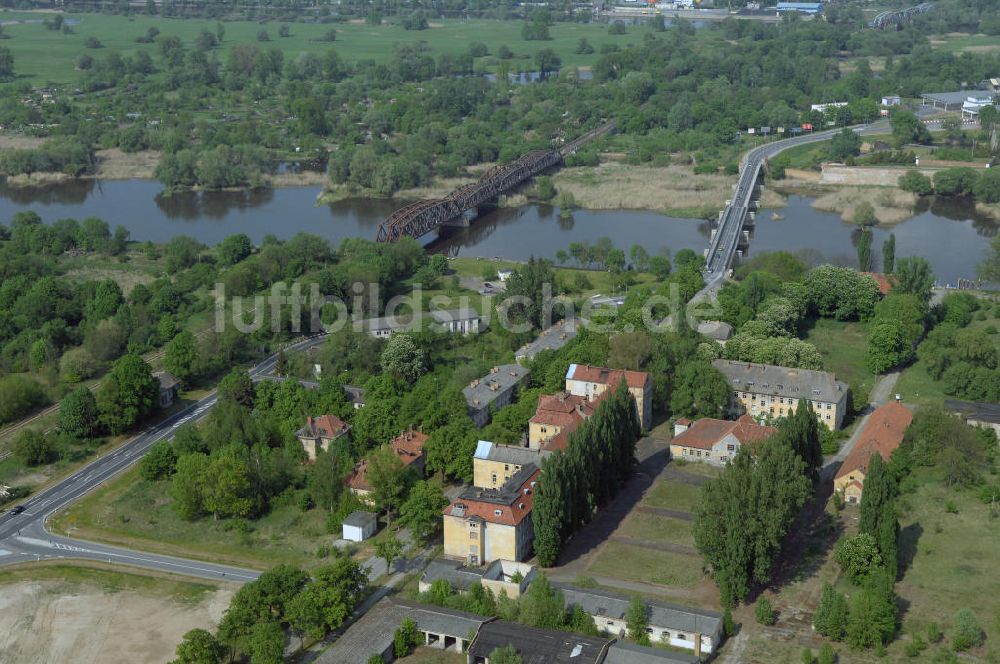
497, 512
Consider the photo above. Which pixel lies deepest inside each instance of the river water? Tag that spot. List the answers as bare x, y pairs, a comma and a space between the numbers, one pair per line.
946, 232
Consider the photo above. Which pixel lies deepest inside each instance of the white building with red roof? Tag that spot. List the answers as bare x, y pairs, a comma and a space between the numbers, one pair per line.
716, 441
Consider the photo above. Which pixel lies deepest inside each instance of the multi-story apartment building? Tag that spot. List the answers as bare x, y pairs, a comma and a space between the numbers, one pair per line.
590, 382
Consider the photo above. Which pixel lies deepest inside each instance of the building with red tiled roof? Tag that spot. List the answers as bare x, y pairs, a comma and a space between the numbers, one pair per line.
716, 441
590, 382
319, 432
556, 412
409, 447
483, 525
882, 434
884, 284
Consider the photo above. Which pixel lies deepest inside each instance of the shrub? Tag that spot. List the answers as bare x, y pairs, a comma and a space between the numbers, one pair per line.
966, 632
765, 612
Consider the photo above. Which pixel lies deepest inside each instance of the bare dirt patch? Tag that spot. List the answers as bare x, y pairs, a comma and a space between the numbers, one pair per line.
113, 164
20, 142
56, 621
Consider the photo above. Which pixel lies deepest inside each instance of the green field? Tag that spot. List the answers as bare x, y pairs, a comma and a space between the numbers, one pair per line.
645, 526
183, 591
48, 56
959, 42
678, 496
843, 345
135, 513
635, 563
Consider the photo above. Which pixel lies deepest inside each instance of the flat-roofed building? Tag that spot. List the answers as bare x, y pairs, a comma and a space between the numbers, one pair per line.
536, 646
976, 413
697, 630
506, 576
952, 101
457, 321
591, 382
765, 390
483, 525
493, 391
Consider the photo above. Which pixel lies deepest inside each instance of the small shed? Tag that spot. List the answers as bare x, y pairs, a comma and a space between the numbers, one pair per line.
168, 387
359, 526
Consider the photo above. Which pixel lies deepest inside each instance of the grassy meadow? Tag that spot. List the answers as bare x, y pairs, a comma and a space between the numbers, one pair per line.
44, 56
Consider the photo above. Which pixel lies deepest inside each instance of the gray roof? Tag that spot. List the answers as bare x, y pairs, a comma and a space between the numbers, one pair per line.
459, 576
504, 378
629, 653
449, 315
715, 329
781, 381
976, 410
538, 646
508, 453
440, 620
360, 519
552, 338
373, 632
355, 394
661, 614
506, 494
167, 380
956, 97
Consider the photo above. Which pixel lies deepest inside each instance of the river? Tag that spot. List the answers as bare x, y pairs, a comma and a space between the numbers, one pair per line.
949, 233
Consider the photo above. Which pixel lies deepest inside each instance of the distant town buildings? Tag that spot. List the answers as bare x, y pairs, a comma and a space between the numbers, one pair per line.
800, 7
882, 434
764, 390
590, 382
452, 321
493, 391
716, 441
320, 432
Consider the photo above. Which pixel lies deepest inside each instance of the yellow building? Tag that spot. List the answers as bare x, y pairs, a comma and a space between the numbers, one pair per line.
483, 525
493, 465
882, 434
764, 390
555, 414
591, 382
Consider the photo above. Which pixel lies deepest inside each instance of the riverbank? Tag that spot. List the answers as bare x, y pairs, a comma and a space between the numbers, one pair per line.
675, 191
892, 205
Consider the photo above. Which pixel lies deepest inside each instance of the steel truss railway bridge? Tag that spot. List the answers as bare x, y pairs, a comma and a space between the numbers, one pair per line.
894, 20
420, 218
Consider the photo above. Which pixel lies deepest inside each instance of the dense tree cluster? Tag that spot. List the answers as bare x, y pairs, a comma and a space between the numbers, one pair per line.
745, 513
584, 476
282, 598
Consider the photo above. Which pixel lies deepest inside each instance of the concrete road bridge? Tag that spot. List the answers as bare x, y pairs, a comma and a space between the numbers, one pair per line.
731, 238
418, 219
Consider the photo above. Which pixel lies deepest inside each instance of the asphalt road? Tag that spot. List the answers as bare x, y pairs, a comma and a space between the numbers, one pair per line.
723, 246
24, 537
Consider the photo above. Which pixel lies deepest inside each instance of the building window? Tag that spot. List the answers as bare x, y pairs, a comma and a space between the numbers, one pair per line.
497, 512
472, 549
731, 448
473, 535
473, 525
829, 406
827, 417
506, 467
494, 478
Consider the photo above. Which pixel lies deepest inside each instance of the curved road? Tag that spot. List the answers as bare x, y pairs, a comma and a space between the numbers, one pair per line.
24, 537
723, 246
